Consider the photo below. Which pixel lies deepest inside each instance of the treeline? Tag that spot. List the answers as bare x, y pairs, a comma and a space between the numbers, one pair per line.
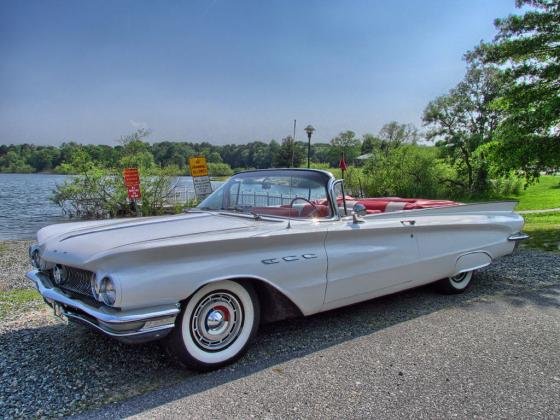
134, 150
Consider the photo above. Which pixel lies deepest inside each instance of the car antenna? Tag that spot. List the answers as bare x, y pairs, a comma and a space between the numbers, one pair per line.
293, 144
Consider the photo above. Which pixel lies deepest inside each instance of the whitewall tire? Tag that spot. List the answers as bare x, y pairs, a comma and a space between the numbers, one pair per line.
216, 325
456, 284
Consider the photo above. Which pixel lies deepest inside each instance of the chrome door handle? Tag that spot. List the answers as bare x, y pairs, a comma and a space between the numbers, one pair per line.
408, 222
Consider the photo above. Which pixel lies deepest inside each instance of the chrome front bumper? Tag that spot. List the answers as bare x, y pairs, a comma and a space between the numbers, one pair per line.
134, 326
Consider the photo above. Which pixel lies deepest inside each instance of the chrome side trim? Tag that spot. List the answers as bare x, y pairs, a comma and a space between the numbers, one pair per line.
104, 314
518, 236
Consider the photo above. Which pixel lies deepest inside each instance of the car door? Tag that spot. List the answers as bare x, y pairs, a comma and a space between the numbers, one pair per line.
366, 258
295, 261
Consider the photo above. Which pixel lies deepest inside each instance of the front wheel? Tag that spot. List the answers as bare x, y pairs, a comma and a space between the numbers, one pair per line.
216, 325
456, 284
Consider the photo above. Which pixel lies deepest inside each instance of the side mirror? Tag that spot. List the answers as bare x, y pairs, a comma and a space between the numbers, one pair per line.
358, 211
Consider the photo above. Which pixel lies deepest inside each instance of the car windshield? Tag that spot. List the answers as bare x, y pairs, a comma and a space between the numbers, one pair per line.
282, 193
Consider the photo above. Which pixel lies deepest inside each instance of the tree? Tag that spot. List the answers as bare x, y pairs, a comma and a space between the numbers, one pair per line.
527, 48
290, 154
44, 158
136, 153
11, 162
394, 134
321, 153
346, 142
274, 148
370, 143
405, 171
76, 160
214, 157
260, 155
461, 121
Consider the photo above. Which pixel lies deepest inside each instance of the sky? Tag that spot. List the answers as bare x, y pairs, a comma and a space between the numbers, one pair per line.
228, 71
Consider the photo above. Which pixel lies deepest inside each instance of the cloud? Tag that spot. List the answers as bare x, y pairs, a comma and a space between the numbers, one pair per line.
139, 124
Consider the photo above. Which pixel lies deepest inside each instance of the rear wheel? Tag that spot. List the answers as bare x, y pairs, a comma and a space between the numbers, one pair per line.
216, 325
456, 284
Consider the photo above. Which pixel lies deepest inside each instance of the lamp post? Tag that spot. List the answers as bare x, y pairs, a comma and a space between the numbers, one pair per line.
309, 130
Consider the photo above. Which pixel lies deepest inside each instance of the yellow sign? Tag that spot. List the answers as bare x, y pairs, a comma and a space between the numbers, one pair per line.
198, 166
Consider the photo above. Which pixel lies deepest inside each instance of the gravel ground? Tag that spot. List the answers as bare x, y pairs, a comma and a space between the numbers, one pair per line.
491, 352
14, 263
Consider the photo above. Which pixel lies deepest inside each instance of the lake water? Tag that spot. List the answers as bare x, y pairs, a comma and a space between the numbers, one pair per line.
25, 206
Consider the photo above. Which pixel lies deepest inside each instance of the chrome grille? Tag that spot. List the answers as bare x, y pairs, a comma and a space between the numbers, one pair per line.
78, 281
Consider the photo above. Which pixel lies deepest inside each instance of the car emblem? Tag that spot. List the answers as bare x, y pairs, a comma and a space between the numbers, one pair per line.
289, 258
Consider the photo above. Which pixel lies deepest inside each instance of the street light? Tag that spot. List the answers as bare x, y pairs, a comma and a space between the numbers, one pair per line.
309, 130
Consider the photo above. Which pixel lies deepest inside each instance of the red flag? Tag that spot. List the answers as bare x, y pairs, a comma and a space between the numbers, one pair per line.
342, 165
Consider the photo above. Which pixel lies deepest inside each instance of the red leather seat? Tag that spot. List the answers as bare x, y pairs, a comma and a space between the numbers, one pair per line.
373, 206
383, 204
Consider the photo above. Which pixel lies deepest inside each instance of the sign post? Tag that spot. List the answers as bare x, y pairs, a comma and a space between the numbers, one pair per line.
201, 180
132, 183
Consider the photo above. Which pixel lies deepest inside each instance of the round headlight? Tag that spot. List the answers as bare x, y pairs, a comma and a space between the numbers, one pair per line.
107, 291
35, 258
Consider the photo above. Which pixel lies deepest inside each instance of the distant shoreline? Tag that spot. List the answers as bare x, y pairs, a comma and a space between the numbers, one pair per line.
212, 178
34, 173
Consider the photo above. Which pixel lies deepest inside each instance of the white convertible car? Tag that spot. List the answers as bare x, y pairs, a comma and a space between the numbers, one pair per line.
266, 245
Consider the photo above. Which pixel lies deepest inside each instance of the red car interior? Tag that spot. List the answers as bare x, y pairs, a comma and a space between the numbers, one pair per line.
373, 206
387, 204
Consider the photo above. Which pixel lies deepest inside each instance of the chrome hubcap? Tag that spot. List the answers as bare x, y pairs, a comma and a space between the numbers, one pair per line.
217, 320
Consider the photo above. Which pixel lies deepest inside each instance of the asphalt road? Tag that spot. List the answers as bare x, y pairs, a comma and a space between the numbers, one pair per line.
491, 352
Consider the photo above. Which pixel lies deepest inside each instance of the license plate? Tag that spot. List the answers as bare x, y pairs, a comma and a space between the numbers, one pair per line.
58, 312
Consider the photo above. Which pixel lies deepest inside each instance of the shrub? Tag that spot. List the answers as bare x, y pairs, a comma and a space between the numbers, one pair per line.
97, 193
408, 171
506, 186
219, 169
100, 193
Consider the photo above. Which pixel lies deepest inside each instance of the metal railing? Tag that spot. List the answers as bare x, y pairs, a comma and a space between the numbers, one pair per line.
182, 195
263, 200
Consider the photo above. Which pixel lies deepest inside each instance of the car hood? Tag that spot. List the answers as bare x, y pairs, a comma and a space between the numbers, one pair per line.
74, 243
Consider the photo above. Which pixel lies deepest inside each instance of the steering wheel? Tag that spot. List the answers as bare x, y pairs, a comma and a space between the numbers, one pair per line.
315, 209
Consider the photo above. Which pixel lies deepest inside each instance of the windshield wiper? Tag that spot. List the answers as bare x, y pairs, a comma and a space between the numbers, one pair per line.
235, 209
238, 209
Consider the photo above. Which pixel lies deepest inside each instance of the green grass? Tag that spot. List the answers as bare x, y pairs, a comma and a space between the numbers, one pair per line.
15, 300
542, 195
544, 229
552, 218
